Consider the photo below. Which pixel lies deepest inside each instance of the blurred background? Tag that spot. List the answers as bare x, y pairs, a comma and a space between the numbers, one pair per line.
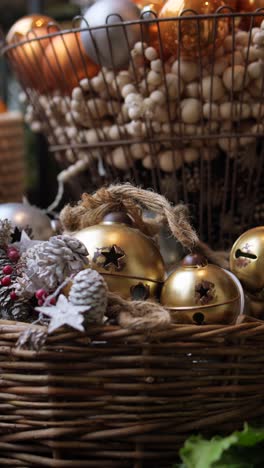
38, 160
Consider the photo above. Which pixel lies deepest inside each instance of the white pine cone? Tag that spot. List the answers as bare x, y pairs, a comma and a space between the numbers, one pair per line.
89, 288
52, 261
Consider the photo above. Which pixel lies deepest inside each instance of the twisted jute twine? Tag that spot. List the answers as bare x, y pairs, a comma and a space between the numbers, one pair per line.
92, 208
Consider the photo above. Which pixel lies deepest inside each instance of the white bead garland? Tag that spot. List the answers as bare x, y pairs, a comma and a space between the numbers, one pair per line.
188, 100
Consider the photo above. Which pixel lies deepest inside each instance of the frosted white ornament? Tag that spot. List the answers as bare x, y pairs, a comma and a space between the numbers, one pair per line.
101, 43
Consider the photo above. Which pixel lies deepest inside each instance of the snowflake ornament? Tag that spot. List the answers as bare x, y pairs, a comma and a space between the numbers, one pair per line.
64, 313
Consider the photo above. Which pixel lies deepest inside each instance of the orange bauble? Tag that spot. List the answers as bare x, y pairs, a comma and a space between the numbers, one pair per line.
65, 63
147, 3
26, 58
20, 29
3, 107
250, 6
192, 37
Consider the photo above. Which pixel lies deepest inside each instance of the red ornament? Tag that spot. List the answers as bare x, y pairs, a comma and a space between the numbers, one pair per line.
65, 63
7, 270
6, 281
13, 254
13, 296
41, 294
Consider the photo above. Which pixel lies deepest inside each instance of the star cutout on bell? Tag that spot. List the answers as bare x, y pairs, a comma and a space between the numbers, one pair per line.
112, 256
108, 257
64, 313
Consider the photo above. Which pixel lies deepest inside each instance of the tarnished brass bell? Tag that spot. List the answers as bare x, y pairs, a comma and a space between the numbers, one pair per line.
129, 261
247, 259
201, 293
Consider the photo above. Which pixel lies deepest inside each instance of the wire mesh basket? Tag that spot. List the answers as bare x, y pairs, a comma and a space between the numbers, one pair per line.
188, 124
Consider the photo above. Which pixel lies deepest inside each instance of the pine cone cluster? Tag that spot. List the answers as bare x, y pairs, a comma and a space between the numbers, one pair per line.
89, 289
10, 309
52, 261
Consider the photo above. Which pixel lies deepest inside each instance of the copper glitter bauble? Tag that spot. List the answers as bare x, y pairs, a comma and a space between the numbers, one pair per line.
65, 63
246, 259
129, 261
250, 6
200, 293
26, 58
192, 37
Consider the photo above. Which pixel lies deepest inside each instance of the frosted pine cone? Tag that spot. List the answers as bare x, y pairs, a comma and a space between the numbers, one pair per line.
49, 263
89, 288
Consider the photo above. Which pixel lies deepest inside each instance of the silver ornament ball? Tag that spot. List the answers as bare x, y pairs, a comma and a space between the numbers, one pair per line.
110, 46
23, 216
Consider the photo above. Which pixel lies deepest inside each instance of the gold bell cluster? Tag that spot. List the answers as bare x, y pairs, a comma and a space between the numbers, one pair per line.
130, 262
246, 262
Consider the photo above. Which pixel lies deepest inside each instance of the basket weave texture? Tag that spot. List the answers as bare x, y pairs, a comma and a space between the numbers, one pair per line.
118, 398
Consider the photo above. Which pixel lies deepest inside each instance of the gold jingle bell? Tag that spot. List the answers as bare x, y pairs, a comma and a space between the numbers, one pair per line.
246, 259
246, 262
129, 261
201, 293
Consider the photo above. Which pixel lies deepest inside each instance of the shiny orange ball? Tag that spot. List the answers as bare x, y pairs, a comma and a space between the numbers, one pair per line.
24, 25
3, 107
250, 6
192, 37
148, 3
65, 63
26, 58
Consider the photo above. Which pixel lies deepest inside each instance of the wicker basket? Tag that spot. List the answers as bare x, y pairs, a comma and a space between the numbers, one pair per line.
225, 193
12, 157
115, 398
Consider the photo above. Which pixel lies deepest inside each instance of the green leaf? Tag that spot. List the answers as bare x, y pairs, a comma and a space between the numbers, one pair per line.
239, 450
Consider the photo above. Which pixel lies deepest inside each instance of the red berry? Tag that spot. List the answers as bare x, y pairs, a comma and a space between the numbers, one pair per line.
41, 294
40, 302
13, 296
13, 254
7, 270
6, 281
53, 301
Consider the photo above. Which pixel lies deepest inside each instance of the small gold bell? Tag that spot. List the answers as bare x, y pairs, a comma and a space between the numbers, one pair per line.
129, 261
201, 293
246, 262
